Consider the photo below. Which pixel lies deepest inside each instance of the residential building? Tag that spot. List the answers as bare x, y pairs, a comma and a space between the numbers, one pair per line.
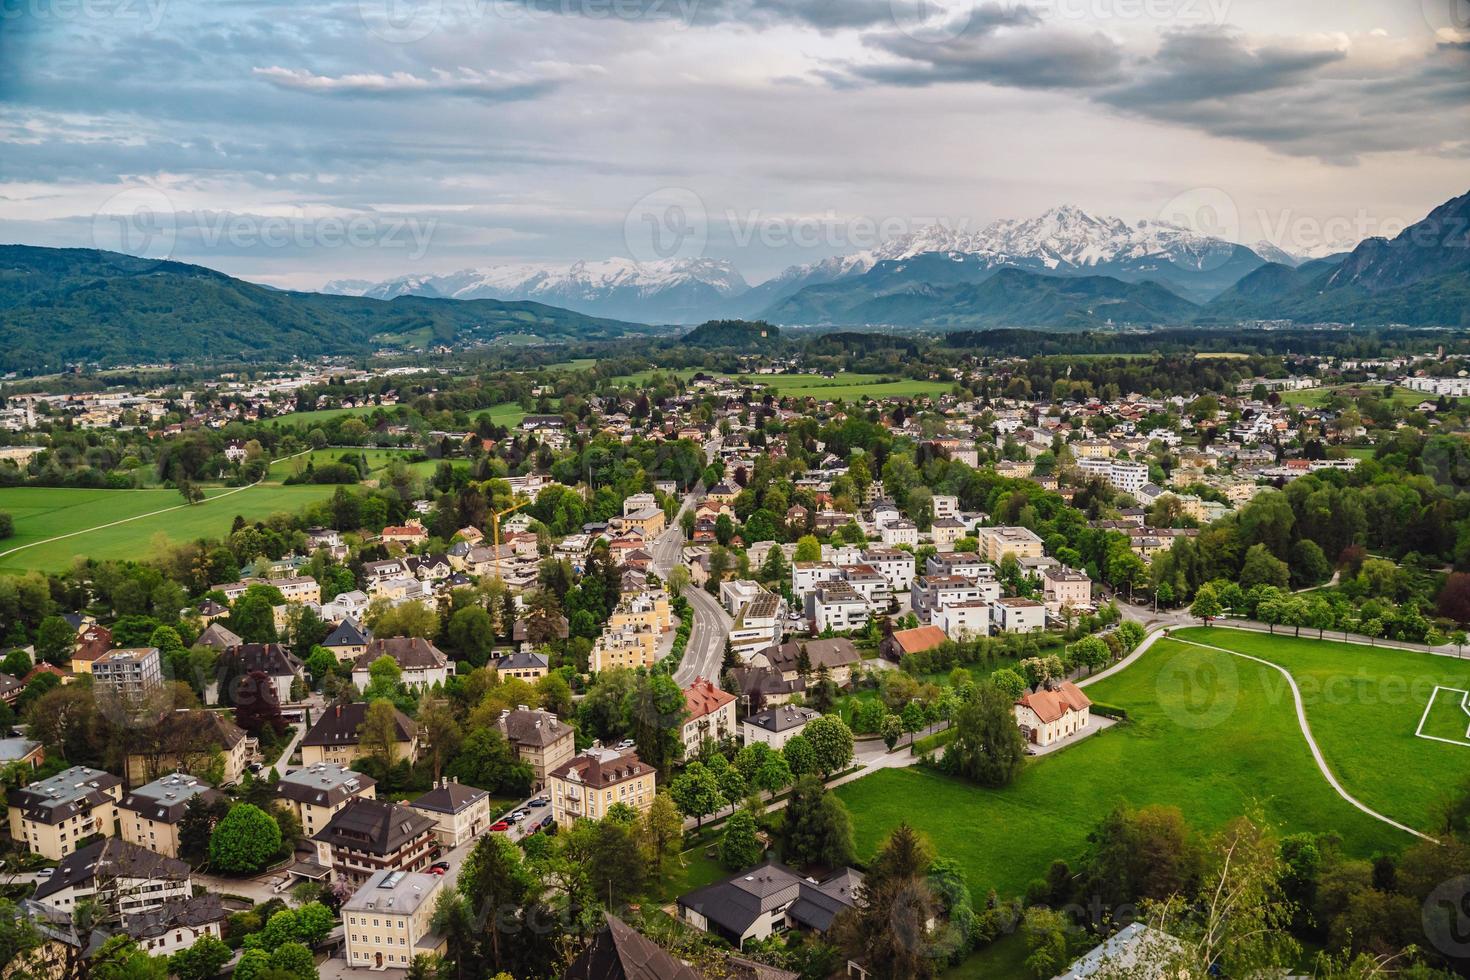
199, 738
460, 813
838, 655
122, 878
1064, 588
588, 784
807, 575
177, 924
868, 582
128, 675
758, 624
836, 606
540, 739
1016, 615
348, 641
92, 642
997, 542
894, 565
423, 665
50, 816
334, 737
316, 793
526, 666
629, 646
901, 532
963, 620
775, 726
769, 899
368, 836
945, 531
934, 592
709, 713
389, 920
619, 952
149, 815
946, 506
1136, 950
279, 666
1053, 713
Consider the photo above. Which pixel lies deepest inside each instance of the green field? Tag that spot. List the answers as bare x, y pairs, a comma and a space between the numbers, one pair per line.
849, 386
1364, 705
1206, 734
1317, 397
1447, 717
42, 513
575, 364
323, 414
377, 459
507, 414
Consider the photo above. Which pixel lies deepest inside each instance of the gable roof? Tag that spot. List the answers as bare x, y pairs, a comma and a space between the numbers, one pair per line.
703, 698
532, 726
822, 653
449, 797
348, 634
1051, 705
217, 636
338, 725
736, 903
621, 953
409, 652
114, 858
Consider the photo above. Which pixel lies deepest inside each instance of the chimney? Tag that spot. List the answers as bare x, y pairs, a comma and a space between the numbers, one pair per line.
339, 711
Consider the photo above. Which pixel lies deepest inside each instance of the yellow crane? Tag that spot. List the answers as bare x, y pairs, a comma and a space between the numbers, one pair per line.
495, 517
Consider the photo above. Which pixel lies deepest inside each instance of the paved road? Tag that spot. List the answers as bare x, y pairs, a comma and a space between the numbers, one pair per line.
669, 545
706, 650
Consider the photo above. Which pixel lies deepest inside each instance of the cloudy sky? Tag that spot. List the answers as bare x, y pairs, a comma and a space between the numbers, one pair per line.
293, 143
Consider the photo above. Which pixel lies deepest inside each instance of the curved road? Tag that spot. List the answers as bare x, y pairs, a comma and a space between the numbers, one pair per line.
706, 650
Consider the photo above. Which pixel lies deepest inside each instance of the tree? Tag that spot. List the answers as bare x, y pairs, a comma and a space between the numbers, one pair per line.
197, 826
739, 847
485, 759
377, 736
800, 757
654, 711
294, 959
244, 841
808, 548
662, 831
816, 828
831, 742
773, 774
1206, 605
1263, 568
696, 792
55, 639
494, 879
892, 730
888, 927
202, 961
472, 634
1091, 652
987, 746
442, 732
1010, 682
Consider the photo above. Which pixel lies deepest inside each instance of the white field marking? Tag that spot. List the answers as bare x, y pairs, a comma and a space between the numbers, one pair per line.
1301, 717
1464, 706
151, 513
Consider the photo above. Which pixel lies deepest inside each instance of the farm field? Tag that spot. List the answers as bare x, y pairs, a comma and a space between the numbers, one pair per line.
1317, 397
1364, 705
849, 386
1204, 734
507, 414
323, 414
377, 459
42, 513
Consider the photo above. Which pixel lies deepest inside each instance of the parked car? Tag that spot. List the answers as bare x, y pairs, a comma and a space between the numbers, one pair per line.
626, 743
540, 801
434, 869
44, 872
439, 866
499, 825
520, 815
544, 824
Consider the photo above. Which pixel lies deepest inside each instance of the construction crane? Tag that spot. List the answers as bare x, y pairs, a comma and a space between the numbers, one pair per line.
495, 517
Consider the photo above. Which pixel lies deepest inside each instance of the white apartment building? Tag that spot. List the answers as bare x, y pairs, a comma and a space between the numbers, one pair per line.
1015, 615
963, 620
837, 606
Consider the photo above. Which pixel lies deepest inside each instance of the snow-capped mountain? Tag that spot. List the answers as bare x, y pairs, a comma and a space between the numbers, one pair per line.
1064, 241
672, 290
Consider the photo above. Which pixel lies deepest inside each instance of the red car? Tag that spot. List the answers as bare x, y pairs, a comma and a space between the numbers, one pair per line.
436, 870
499, 825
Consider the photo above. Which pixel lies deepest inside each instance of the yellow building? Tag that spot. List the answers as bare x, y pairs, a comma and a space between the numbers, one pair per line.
540, 739
650, 521
646, 609
316, 793
460, 813
631, 647
587, 785
149, 816
334, 738
388, 921
51, 815
997, 542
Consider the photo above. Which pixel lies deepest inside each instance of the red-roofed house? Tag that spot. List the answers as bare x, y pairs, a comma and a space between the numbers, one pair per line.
1051, 714
901, 643
407, 535
710, 714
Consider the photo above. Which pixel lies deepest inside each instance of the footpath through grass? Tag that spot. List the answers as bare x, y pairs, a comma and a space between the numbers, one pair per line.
1204, 735
1364, 705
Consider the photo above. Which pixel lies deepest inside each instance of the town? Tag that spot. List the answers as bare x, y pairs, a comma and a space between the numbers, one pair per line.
668, 658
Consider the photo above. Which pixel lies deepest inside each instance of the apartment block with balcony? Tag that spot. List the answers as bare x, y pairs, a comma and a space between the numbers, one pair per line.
588, 784
52, 815
149, 816
369, 836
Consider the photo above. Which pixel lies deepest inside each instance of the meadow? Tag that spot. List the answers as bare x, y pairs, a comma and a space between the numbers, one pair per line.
44, 513
1207, 733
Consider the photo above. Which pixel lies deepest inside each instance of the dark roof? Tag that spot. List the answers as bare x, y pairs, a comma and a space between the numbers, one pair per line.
620, 953
822, 653
532, 726
114, 858
449, 798
782, 718
409, 652
764, 680
64, 795
269, 658
518, 632
376, 826
217, 636
599, 767
166, 799
348, 634
520, 661
192, 912
338, 725
737, 902
323, 784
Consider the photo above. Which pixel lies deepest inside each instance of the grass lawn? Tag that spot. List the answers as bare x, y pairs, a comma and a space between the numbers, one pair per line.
507, 414
695, 872
1364, 705
323, 414
642, 377
848, 385
44, 512
1204, 735
575, 364
377, 459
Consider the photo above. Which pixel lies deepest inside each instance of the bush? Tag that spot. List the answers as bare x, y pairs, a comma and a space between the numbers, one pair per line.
1109, 711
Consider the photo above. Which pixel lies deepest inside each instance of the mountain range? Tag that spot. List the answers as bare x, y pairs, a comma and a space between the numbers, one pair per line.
1064, 241
65, 305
